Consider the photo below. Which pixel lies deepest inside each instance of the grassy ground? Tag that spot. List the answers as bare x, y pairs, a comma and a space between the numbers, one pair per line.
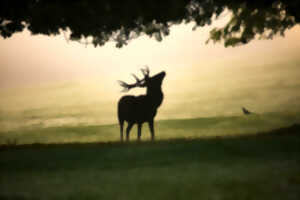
234, 165
166, 129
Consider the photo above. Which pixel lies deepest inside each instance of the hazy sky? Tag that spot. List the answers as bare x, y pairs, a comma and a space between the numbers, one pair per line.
66, 82
27, 60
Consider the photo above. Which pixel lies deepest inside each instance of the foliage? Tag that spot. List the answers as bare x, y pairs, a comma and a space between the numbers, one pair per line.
121, 21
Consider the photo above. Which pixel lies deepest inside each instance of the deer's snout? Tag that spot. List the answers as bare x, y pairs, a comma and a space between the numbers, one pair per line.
162, 74
159, 77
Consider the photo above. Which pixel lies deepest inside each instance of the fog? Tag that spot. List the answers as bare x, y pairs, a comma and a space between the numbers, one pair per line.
50, 81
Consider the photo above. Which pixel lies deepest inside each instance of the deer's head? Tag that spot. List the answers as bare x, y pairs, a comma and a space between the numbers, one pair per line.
151, 83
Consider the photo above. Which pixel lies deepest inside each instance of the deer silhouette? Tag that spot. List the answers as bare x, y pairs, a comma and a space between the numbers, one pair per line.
143, 108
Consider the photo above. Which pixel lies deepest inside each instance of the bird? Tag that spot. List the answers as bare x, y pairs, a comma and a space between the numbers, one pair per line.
245, 111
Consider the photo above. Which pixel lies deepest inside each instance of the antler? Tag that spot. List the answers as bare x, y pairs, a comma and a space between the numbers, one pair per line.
139, 83
127, 87
146, 71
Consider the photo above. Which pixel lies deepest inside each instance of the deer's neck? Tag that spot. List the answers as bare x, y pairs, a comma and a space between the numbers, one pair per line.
155, 97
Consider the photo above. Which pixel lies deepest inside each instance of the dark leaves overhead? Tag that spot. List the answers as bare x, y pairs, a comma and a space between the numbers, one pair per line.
123, 20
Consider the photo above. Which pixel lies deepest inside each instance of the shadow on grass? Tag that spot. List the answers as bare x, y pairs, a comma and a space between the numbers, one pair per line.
234, 167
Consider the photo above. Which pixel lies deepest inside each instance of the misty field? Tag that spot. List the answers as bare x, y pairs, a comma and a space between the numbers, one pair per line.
240, 157
165, 129
62, 141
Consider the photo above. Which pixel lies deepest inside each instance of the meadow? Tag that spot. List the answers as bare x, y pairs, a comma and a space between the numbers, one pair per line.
166, 129
61, 141
241, 157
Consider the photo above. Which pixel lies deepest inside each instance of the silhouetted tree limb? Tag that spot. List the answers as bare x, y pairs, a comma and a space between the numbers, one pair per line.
123, 20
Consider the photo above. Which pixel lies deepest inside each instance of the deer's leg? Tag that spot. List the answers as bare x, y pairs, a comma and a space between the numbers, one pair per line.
130, 124
139, 132
121, 130
151, 127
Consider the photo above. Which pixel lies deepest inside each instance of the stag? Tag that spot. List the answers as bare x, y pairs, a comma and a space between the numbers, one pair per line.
143, 108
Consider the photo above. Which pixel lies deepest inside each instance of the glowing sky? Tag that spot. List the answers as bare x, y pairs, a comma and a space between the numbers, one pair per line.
67, 82
34, 60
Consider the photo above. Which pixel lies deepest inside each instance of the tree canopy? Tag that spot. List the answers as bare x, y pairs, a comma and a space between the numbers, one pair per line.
120, 21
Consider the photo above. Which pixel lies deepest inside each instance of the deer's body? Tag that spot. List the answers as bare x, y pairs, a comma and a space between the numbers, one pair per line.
137, 109
143, 108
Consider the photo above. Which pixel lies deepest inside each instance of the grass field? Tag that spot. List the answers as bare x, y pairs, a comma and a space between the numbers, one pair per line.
206, 158
59, 139
166, 129
62, 142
